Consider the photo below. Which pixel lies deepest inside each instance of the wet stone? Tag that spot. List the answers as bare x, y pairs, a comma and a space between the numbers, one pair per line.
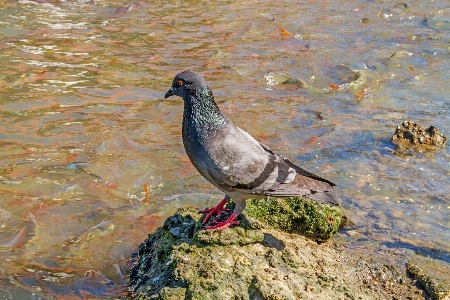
282, 78
342, 74
175, 231
437, 23
409, 133
399, 7
127, 8
431, 275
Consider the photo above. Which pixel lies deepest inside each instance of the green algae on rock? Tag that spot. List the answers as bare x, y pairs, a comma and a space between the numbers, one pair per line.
297, 215
240, 235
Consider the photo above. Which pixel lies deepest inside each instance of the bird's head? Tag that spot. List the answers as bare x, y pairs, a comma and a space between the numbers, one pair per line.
187, 84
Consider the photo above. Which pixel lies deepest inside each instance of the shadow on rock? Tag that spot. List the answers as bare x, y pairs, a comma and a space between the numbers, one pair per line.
272, 242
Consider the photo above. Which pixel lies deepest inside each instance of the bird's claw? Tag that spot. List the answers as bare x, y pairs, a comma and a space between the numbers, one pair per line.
215, 210
222, 225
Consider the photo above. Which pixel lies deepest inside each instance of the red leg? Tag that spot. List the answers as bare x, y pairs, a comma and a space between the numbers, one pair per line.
222, 225
215, 210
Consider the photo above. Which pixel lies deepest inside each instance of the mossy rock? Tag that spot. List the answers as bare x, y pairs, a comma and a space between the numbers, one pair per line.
297, 215
240, 235
180, 260
181, 235
183, 232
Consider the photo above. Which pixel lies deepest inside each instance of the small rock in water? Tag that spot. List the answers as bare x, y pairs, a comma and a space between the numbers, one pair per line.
317, 114
411, 133
431, 276
399, 8
281, 78
342, 74
46, 1
437, 23
124, 9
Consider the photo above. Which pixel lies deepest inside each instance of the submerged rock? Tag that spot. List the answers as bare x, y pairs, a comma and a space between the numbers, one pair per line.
46, 1
342, 74
410, 133
431, 275
181, 261
136, 5
437, 23
274, 78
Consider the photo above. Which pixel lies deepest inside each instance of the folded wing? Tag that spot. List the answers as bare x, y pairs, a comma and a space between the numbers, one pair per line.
245, 165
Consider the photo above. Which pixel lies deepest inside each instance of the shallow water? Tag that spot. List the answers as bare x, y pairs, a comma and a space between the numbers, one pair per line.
85, 130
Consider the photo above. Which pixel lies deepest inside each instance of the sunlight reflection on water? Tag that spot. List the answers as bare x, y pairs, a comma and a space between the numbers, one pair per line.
85, 128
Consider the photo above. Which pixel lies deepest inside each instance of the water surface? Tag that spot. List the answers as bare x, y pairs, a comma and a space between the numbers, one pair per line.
92, 158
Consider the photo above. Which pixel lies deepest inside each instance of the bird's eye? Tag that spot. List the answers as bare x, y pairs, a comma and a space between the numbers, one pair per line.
180, 82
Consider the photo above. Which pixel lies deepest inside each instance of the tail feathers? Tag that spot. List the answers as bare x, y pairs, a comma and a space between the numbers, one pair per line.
325, 197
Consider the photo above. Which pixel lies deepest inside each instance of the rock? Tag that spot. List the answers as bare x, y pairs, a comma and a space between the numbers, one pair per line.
342, 74
228, 236
136, 5
431, 275
297, 215
316, 114
437, 23
175, 231
46, 1
273, 265
412, 134
274, 78
399, 8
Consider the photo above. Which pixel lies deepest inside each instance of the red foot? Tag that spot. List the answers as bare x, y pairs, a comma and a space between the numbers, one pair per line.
222, 225
215, 210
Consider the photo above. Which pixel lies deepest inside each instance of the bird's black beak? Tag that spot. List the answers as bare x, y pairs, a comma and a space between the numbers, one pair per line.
169, 93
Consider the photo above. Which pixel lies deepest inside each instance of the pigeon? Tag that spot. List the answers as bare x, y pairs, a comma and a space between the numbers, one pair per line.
232, 160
